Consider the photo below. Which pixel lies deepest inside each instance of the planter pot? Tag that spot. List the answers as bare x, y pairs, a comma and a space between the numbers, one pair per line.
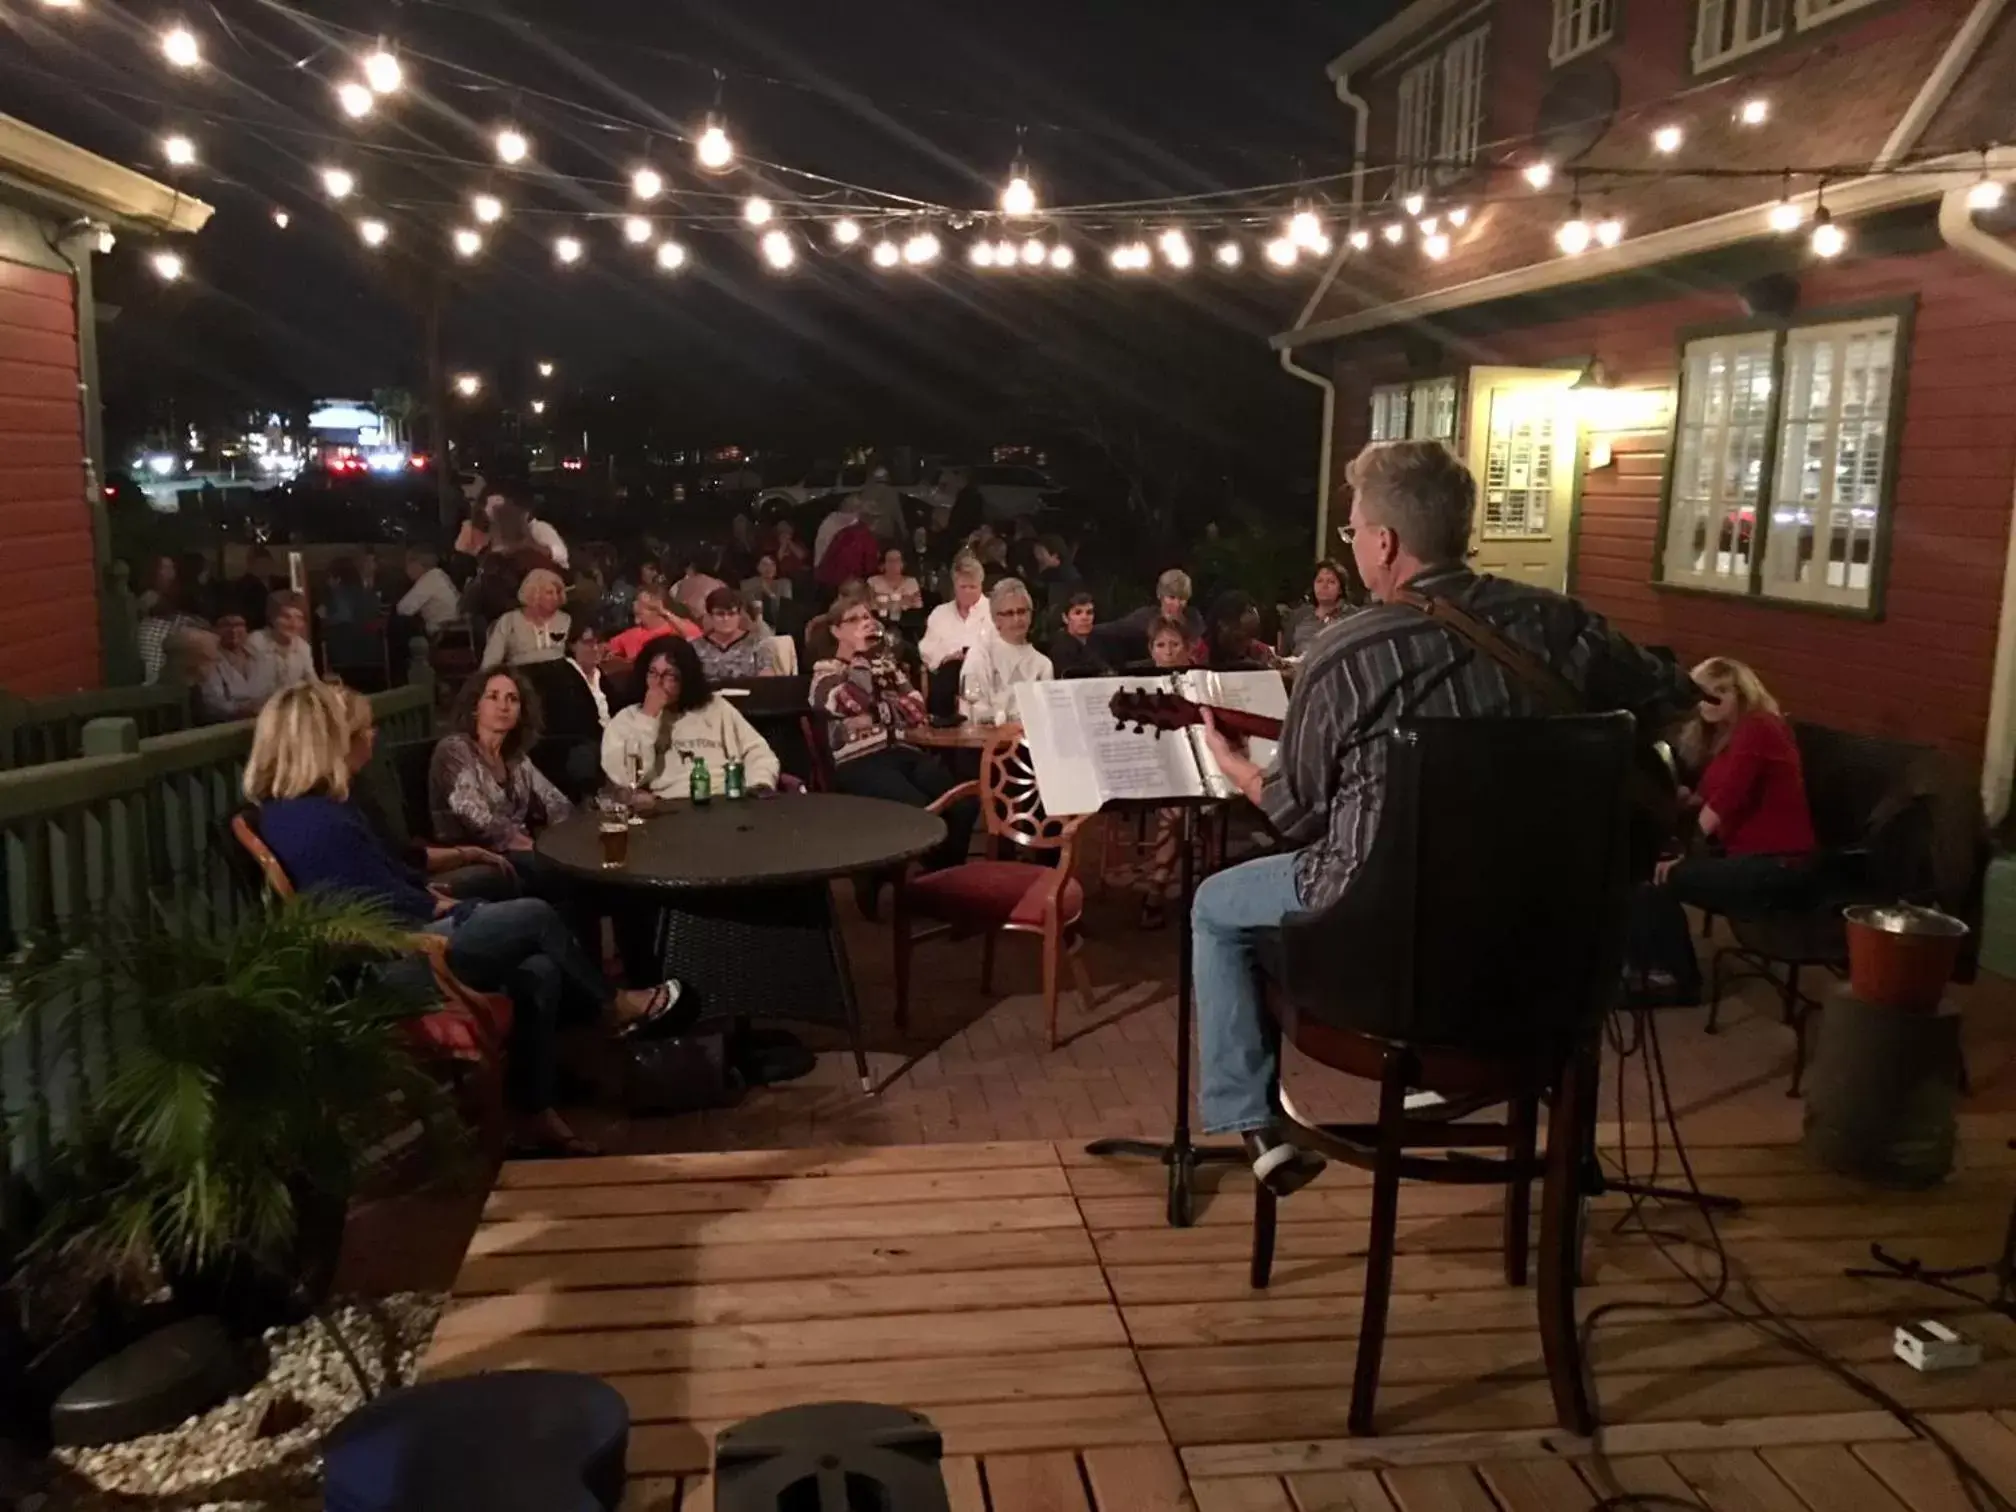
251, 1296
1902, 957
1882, 1091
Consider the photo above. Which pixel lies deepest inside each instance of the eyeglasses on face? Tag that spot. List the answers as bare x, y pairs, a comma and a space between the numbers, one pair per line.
663, 673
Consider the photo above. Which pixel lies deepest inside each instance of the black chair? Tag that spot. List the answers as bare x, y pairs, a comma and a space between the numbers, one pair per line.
1474, 955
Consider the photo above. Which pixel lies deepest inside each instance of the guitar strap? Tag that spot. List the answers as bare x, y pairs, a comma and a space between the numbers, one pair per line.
1552, 689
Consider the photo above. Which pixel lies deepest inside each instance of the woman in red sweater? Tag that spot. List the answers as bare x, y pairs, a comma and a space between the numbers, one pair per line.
1752, 812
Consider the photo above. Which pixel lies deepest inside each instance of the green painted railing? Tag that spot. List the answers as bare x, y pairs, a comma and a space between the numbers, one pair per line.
133, 821
35, 731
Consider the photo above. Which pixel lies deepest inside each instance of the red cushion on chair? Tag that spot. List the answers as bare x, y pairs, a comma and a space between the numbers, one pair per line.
990, 894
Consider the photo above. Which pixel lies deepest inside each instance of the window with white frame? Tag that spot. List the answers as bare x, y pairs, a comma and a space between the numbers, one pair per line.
1726, 29
1414, 136
1794, 512
1440, 113
1580, 25
1812, 11
1389, 412
1424, 411
1518, 482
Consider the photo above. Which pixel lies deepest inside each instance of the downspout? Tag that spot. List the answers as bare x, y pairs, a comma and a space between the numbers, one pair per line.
1998, 761
1326, 448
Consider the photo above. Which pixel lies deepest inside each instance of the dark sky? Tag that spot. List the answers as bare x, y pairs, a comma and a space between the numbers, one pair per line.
921, 98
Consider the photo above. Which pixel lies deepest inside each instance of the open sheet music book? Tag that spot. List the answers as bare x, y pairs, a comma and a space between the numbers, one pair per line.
1083, 762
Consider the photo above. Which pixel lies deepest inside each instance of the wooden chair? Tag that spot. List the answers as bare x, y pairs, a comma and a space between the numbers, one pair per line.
1002, 895
1474, 955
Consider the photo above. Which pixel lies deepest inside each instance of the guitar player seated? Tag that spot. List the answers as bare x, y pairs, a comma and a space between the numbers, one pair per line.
1412, 508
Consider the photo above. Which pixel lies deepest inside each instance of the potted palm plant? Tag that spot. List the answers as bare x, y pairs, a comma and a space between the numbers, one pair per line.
259, 1072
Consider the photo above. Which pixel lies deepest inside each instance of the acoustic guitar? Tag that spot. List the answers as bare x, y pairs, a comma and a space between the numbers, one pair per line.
1159, 711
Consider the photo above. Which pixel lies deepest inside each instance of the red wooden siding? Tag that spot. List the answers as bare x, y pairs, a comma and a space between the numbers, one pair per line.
1924, 670
48, 583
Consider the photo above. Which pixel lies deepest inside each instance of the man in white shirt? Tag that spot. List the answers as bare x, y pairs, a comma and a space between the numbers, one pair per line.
432, 599
1000, 661
285, 640
955, 627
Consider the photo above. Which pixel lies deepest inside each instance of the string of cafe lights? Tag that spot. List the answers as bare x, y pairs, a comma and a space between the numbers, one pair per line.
894, 232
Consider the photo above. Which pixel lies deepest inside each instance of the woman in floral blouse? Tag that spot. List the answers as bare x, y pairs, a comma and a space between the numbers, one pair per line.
482, 787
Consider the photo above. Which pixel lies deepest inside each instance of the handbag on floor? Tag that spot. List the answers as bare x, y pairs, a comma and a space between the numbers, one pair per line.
681, 1073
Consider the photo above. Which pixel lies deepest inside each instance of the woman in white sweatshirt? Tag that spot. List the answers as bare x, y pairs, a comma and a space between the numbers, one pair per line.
1000, 660
677, 723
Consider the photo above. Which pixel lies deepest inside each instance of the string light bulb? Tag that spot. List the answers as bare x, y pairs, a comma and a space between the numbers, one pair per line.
1573, 235
468, 385
1004, 253
282, 219
1360, 239
1229, 254
1282, 252
846, 231
758, 211
636, 230
981, 254
1609, 231
545, 370
1018, 195
567, 250
338, 183
1175, 248
1667, 139
1436, 245
714, 150
886, 254
512, 146
778, 250
1828, 239
1394, 232
1305, 228
647, 183
1430, 224
467, 242
1414, 203
1754, 111
61, 4
180, 47
1539, 173
489, 209
356, 99
671, 256
1034, 254
178, 150
167, 266
1986, 193
383, 73
1459, 216
373, 233
1131, 257
1062, 258
538, 406
921, 249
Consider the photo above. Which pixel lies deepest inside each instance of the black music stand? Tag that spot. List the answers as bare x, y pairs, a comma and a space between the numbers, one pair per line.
1180, 1155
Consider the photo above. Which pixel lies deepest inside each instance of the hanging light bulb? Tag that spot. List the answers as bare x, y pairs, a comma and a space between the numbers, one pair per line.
356, 99
758, 211
1986, 194
1360, 239
61, 4
1667, 140
1430, 224
489, 209
545, 370
1305, 228
282, 219
567, 250
671, 256
1282, 252
1034, 254
886, 254
1459, 215
337, 183
1828, 239
647, 183
511, 145
1229, 254
373, 232
636, 230
1754, 111
1539, 173
1573, 234
1609, 231
538, 406
1018, 195
180, 47
1175, 248
981, 254
468, 243
1414, 203
920, 249
846, 231
1394, 232
468, 385
178, 150
1004, 253
778, 250
1436, 245
1062, 258
713, 150
383, 73
167, 266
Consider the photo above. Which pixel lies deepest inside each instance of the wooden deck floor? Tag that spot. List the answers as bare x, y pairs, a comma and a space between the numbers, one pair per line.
1081, 1357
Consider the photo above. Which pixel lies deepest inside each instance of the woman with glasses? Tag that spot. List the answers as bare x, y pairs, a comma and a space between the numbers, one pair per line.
998, 662
868, 703
677, 724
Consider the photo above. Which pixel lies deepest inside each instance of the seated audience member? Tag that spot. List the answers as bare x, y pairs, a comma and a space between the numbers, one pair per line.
240, 679
768, 584
654, 618
852, 554
431, 597
1170, 652
1752, 809
248, 592
1073, 652
677, 723
299, 775
157, 581
1056, 575
793, 561
1232, 640
1001, 661
573, 700
284, 641
868, 703
537, 629
200, 592
163, 618
960, 623
730, 651
892, 587
1325, 608
353, 621
881, 506
482, 787
699, 581
1126, 639
188, 658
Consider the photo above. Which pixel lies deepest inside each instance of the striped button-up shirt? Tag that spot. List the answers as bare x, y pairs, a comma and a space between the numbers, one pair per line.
1388, 663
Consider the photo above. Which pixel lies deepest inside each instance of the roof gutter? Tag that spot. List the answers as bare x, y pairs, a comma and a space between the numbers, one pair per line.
43, 166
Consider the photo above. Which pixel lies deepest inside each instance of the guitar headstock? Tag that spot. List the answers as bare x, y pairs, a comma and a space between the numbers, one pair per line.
1153, 709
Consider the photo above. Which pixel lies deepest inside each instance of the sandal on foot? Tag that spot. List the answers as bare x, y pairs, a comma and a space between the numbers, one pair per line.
664, 998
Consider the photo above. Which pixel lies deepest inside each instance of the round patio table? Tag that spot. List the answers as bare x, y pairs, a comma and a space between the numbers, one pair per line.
967, 736
746, 913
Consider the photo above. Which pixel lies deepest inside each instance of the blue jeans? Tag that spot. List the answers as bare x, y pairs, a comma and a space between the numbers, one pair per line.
1238, 1044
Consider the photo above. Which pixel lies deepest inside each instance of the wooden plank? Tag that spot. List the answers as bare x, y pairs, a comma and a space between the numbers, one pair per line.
1984, 1442
815, 1226
652, 1493
1536, 1486
1245, 1493
1918, 1474
1736, 1481
776, 1165
791, 1192
1645, 1475
805, 1341
1035, 1483
696, 1493
963, 1491
1827, 1478
727, 1264
1339, 1491
771, 1301
1437, 1488
1144, 1479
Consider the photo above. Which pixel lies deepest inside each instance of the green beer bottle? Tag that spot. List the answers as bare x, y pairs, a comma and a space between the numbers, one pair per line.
699, 786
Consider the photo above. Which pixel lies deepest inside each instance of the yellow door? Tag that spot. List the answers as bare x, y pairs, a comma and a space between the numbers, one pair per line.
1522, 444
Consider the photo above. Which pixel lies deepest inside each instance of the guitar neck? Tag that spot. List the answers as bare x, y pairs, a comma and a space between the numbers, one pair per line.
1246, 725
